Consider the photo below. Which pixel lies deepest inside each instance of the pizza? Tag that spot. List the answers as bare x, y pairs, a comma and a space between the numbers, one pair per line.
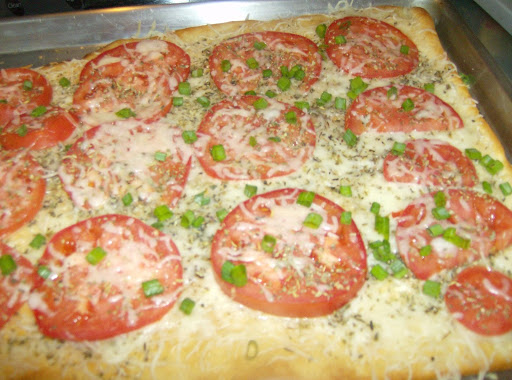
315, 197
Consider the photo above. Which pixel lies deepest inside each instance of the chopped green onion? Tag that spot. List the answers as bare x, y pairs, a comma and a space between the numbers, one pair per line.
268, 243
300, 74
250, 190
7, 264
157, 225
506, 189
259, 45
340, 103
204, 101
382, 225
324, 99
260, 104
494, 167
218, 153
250, 92
408, 105
95, 255
201, 199
291, 117
345, 190
426, 250
197, 73
429, 87
350, 138
313, 220
398, 148
221, 214
485, 160
160, 156
375, 208
346, 218
357, 86
125, 113
234, 274
379, 272
285, 72
284, 83
39, 111
43, 271
450, 235
64, 82
252, 63
487, 187
184, 88
189, 137
252, 141
187, 219
302, 105
267, 73
473, 154
127, 199
404, 49
320, 30
435, 230
306, 198
152, 288
38, 241
198, 222
27, 85
275, 139
22, 130
440, 199
162, 213
3, 101
177, 101
381, 250
270, 94
468, 79
440, 213
432, 288
392, 92
225, 66
340, 40
398, 268
187, 305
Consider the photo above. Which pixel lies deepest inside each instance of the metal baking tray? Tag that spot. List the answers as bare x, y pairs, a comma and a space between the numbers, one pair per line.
40, 40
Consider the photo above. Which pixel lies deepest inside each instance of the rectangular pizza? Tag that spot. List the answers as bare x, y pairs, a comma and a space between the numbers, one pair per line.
314, 197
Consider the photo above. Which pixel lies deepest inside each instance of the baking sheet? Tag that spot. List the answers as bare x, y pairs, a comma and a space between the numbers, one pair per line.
41, 40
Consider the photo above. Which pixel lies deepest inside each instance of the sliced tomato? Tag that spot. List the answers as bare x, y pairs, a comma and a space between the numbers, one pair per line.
271, 51
369, 48
259, 144
149, 161
307, 272
38, 132
22, 190
480, 218
139, 76
373, 110
481, 299
21, 90
430, 162
15, 285
84, 301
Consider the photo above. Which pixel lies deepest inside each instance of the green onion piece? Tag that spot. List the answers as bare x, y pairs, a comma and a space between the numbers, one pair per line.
250, 190
187, 219
404, 49
260, 45
95, 255
250, 93
27, 85
291, 117
184, 88
234, 274
7, 264
285, 72
22, 130
268, 243
357, 85
43, 271
152, 288
162, 213
221, 214
381, 250
267, 73
340, 40
382, 225
160, 156
225, 66
506, 189
189, 137
260, 104
435, 230
300, 74
487, 187
127, 199
485, 160
320, 30
38, 111
3, 101
187, 305
252, 63
294, 72
302, 105
375, 208
324, 99
440, 199
440, 213
398, 268
350, 138
468, 79
340, 103
197, 73
218, 153
198, 222
201, 199
125, 113
275, 139
345, 190
177, 101
398, 148
158, 225
408, 105
429, 87
270, 94
252, 141
64, 82
450, 235
432, 288
284, 83
204, 101
494, 167
473, 154
38, 241
392, 92
379, 272
313, 220
425, 250
306, 198
346, 218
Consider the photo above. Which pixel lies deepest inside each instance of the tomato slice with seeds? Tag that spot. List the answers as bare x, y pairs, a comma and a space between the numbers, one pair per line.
140, 76
84, 301
481, 299
275, 50
39, 132
374, 110
22, 190
482, 219
15, 286
259, 144
307, 272
148, 160
430, 162
369, 48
